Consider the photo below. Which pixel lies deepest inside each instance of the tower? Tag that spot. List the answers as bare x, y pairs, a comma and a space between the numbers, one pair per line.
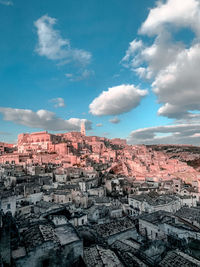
83, 128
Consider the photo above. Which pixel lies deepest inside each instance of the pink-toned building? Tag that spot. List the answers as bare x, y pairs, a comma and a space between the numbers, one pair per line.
118, 141
38, 141
4, 147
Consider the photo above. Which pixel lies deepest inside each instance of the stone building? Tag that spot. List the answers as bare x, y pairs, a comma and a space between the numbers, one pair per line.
48, 245
122, 228
99, 256
151, 203
177, 258
162, 225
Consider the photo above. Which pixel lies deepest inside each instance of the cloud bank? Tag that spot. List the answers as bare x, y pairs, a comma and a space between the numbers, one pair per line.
42, 119
169, 134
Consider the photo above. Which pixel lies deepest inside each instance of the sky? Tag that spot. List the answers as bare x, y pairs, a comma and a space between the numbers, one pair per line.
127, 68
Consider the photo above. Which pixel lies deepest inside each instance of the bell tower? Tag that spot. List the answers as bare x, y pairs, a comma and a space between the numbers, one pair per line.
83, 128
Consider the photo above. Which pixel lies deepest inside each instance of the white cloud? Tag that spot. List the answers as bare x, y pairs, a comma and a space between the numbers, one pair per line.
87, 73
42, 119
172, 66
149, 60
178, 84
59, 102
169, 134
134, 46
82, 75
99, 125
117, 100
6, 3
115, 120
54, 47
69, 75
178, 13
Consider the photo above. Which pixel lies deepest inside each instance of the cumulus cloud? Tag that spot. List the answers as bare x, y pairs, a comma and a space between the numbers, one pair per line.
54, 47
147, 61
114, 120
42, 119
117, 100
59, 102
171, 66
168, 134
175, 12
178, 84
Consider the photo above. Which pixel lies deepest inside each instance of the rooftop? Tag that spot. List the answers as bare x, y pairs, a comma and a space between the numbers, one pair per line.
102, 200
161, 217
47, 205
98, 256
127, 253
192, 214
178, 259
37, 234
114, 227
154, 199
157, 217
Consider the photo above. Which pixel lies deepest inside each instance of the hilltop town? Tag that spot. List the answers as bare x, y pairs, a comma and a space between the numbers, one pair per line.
70, 199
75, 149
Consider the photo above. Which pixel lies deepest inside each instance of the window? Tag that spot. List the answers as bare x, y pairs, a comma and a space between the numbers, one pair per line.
8, 206
156, 235
82, 221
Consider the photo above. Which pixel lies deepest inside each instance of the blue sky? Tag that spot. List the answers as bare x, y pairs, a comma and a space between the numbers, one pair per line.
57, 58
